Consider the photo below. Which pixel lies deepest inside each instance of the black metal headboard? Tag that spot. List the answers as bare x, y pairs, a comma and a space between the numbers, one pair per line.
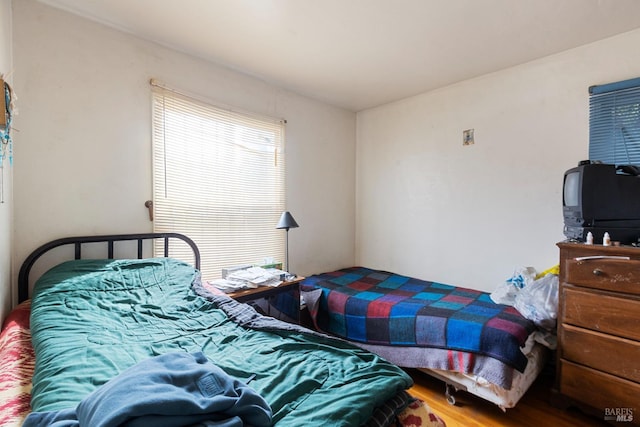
25, 269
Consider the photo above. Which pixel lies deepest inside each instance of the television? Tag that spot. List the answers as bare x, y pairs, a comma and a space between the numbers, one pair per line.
601, 198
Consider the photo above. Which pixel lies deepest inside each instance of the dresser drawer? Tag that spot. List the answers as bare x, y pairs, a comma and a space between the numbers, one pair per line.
618, 275
616, 356
601, 311
597, 389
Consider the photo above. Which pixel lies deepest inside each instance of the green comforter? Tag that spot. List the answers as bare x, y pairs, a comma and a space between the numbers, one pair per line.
92, 319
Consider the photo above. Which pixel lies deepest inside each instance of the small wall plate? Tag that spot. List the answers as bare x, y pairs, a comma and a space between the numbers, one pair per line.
467, 137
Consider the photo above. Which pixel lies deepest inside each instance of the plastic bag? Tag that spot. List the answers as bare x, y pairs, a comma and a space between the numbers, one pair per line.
538, 301
506, 292
553, 270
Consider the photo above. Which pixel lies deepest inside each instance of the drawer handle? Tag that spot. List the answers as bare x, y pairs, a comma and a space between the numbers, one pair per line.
587, 258
598, 272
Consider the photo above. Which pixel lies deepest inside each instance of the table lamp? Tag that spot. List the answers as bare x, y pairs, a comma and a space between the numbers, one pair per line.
287, 222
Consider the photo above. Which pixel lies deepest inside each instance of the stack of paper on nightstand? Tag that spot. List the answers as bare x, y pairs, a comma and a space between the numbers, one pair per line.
247, 278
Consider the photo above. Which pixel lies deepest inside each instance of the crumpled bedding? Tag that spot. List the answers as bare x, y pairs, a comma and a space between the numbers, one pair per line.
17, 364
16, 367
93, 319
171, 390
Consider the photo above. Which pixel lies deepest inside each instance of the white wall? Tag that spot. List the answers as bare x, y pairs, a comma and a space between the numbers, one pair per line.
6, 178
431, 208
83, 153
426, 205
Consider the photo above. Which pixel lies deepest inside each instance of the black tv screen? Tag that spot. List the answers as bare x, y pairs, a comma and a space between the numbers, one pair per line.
572, 189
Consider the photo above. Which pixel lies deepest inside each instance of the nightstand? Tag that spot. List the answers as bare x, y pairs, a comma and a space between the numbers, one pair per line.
282, 301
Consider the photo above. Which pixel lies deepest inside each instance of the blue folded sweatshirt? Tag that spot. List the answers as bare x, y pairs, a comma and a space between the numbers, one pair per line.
171, 390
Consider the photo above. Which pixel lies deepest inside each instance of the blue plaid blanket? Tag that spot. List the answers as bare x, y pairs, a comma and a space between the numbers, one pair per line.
382, 308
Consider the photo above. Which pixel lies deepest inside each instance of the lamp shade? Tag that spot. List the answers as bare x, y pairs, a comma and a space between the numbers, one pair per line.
287, 221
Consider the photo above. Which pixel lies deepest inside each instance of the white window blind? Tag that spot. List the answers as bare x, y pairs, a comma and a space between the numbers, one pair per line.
219, 178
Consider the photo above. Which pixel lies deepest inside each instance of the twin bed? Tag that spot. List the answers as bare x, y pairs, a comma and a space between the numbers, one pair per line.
131, 340
456, 334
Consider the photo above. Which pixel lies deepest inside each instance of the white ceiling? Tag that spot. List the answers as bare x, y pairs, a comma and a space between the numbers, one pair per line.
359, 54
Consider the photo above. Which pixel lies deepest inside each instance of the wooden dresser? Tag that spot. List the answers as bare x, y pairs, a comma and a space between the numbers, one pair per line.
598, 367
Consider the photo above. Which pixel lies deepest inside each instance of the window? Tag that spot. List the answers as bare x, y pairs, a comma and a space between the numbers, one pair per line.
218, 177
614, 123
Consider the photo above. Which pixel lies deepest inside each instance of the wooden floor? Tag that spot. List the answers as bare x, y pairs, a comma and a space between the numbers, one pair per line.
533, 409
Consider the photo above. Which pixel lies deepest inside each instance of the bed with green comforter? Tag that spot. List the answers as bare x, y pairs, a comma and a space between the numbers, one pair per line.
93, 319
